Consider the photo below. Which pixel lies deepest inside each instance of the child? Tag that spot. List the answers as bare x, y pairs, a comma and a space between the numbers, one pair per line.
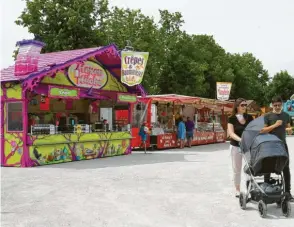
143, 134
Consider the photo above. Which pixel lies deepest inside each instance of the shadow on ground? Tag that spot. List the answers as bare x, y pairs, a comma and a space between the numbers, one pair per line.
273, 212
124, 160
199, 148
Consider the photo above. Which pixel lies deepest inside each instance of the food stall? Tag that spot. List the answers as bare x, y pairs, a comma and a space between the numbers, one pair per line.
161, 113
288, 107
64, 106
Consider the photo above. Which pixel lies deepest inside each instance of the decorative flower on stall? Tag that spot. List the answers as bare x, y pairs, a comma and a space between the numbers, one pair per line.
79, 129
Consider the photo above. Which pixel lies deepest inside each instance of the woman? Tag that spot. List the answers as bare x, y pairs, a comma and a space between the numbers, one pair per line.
236, 125
181, 132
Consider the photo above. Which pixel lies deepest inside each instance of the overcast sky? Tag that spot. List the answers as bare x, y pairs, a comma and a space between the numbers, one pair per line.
263, 27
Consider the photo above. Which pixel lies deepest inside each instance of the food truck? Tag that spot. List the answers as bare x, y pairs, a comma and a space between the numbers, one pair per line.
64, 106
161, 113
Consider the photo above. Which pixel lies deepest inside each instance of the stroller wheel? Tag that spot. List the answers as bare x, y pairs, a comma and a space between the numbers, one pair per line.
262, 209
242, 200
286, 208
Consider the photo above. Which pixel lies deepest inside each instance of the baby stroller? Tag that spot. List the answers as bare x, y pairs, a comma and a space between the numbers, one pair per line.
263, 154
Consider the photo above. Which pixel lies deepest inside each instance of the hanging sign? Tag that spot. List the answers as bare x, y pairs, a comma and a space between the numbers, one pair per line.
133, 66
88, 75
58, 92
223, 90
126, 98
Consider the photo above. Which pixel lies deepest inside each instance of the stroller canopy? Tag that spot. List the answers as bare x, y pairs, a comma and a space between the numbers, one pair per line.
264, 153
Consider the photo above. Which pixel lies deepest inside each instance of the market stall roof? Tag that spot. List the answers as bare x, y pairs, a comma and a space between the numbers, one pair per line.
173, 98
108, 56
184, 99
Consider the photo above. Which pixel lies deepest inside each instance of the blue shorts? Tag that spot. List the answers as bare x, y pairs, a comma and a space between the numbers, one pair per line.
144, 138
190, 134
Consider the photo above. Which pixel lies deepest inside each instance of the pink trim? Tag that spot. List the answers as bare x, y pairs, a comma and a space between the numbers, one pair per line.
25, 159
35, 78
2, 133
64, 87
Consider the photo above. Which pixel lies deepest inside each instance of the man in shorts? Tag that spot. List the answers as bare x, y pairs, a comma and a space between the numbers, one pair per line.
278, 123
190, 130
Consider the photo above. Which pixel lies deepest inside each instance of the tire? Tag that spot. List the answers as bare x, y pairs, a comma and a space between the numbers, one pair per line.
243, 200
262, 209
286, 208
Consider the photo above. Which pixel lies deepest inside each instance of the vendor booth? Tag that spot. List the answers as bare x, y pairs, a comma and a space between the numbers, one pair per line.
161, 113
64, 106
288, 107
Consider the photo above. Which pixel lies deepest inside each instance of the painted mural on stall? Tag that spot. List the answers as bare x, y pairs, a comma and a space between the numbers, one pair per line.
105, 81
13, 141
50, 149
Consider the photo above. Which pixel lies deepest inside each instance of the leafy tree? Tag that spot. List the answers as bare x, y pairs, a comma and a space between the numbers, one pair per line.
282, 85
178, 62
250, 78
64, 24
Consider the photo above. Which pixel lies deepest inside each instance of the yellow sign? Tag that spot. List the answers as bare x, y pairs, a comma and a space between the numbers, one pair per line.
87, 74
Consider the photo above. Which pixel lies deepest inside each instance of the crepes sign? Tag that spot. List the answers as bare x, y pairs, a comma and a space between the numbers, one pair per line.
223, 90
133, 66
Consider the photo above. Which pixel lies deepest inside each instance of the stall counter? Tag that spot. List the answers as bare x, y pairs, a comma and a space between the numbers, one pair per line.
169, 140
50, 149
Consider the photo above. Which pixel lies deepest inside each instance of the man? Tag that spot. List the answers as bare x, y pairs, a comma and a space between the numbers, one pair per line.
277, 123
190, 130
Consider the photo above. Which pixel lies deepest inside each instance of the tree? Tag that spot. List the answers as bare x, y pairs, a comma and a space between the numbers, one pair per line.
282, 85
178, 62
64, 24
250, 78
131, 25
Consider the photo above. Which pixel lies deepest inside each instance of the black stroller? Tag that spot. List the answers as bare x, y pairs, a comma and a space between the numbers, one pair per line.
263, 154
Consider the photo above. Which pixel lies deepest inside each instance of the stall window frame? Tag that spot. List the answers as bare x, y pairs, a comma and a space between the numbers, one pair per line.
7, 114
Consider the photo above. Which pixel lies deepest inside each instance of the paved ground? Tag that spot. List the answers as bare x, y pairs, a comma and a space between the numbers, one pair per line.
165, 189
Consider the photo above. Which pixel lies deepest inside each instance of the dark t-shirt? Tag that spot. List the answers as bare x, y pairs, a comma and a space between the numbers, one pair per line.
238, 127
280, 132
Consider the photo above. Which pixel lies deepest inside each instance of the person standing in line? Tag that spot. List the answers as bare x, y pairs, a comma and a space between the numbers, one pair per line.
278, 123
143, 133
237, 123
190, 125
181, 132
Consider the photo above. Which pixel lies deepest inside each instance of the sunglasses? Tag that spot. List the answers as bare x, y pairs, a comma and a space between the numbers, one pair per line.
243, 105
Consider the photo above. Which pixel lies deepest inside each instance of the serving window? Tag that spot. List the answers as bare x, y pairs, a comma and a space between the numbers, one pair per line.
14, 117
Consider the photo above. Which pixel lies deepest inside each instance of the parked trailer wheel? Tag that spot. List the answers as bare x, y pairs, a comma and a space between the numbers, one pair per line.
286, 208
262, 209
243, 200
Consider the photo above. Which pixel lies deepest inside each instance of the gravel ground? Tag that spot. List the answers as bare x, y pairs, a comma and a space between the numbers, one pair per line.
174, 188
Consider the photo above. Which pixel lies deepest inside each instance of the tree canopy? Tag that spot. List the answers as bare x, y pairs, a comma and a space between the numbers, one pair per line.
179, 63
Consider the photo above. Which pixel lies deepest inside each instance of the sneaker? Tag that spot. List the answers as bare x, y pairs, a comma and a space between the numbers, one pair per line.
237, 195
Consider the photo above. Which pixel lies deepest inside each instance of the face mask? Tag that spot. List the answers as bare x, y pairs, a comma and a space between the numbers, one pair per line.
240, 117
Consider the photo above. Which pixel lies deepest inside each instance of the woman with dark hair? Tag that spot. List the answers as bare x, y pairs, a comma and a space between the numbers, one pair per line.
236, 125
